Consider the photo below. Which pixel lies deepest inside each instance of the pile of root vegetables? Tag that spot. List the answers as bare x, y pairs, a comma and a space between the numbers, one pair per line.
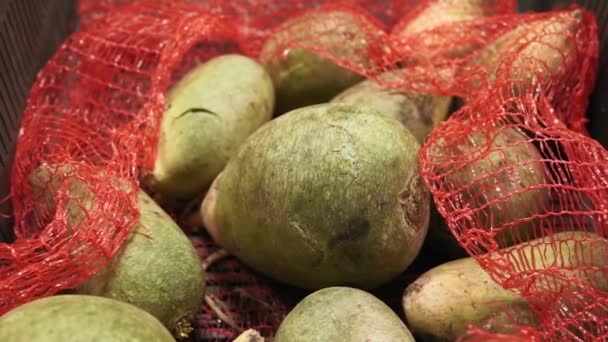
332, 170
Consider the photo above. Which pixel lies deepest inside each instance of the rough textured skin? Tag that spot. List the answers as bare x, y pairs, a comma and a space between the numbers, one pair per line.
229, 97
539, 60
507, 163
440, 303
342, 314
303, 78
157, 270
80, 318
325, 195
418, 112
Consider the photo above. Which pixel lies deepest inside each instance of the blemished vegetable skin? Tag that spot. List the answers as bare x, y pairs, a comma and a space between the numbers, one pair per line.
209, 113
325, 195
63, 318
342, 314
418, 112
301, 75
157, 268
442, 301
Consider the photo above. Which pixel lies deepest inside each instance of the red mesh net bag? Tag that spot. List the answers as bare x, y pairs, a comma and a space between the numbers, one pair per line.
557, 50
515, 177
93, 116
525, 196
91, 124
512, 172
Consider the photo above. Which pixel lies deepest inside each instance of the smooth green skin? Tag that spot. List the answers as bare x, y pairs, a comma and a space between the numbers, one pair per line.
194, 147
79, 318
301, 77
441, 302
342, 314
418, 112
157, 270
323, 196
514, 164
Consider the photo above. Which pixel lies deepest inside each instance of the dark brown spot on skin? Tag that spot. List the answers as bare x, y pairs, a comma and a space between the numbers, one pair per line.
415, 287
358, 228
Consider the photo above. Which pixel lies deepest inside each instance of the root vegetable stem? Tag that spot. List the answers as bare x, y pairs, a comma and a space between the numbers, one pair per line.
215, 304
214, 257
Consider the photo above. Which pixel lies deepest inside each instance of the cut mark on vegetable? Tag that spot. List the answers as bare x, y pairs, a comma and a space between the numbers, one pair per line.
196, 110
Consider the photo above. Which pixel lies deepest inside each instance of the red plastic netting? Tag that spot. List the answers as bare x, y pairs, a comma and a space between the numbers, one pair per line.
95, 108
504, 172
512, 165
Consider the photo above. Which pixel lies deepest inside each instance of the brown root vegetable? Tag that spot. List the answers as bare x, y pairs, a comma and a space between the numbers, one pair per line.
441, 302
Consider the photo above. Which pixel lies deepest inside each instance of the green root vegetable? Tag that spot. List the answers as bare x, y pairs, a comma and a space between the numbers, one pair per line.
441, 302
303, 77
210, 112
532, 52
342, 314
157, 269
63, 318
498, 179
419, 112
325, 195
